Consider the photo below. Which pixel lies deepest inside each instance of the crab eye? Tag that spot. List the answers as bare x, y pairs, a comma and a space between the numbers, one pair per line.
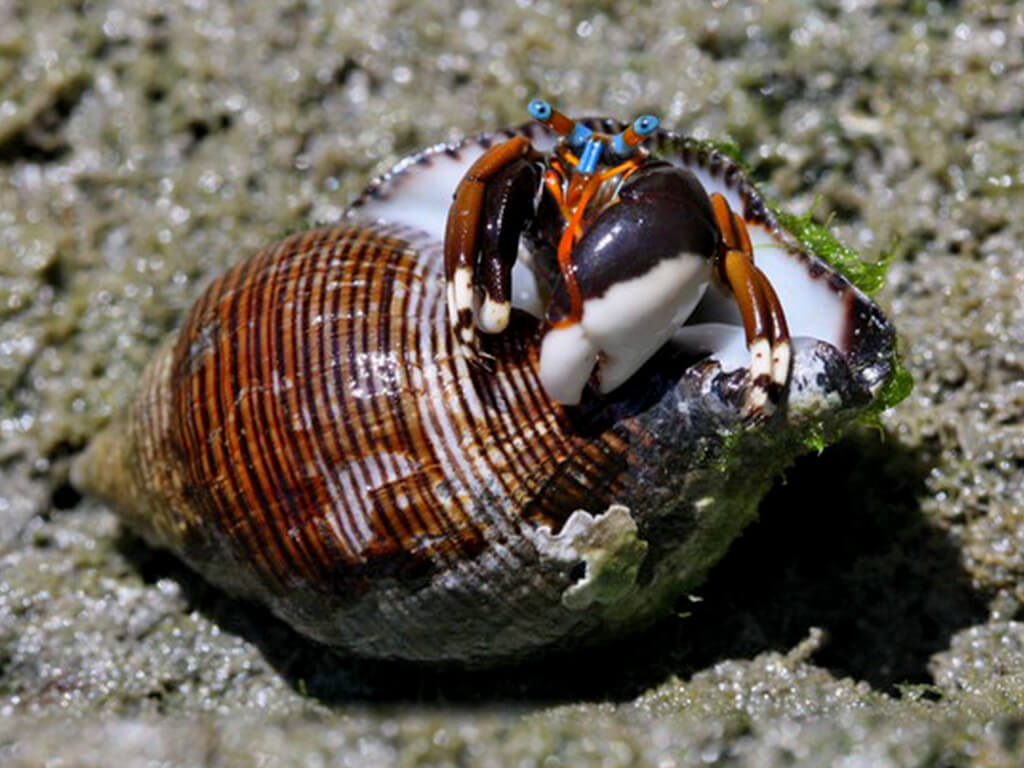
645, 125
539, 109
623, 144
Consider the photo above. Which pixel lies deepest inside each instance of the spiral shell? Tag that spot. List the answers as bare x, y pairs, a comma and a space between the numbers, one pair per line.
309, 440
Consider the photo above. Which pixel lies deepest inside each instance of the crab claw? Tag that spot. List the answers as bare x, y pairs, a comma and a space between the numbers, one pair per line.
491, 207
629, 300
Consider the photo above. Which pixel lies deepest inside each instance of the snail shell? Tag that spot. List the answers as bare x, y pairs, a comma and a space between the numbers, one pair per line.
310, 441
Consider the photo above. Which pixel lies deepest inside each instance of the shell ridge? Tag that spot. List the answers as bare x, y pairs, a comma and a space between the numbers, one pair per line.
195, 419
314, 448
244, 534
295, 452
343, 527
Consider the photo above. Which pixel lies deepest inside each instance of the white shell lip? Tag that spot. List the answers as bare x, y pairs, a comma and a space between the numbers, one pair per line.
820, 302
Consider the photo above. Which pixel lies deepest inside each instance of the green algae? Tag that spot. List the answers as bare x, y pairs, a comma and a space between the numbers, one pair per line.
896, 388
869, 276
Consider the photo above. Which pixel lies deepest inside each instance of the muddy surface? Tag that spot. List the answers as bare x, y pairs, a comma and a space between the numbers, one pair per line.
871, 613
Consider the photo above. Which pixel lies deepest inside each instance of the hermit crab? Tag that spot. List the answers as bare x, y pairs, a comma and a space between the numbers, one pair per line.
637, 240
328, 433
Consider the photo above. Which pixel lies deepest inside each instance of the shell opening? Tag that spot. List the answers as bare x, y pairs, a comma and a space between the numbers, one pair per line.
417, 194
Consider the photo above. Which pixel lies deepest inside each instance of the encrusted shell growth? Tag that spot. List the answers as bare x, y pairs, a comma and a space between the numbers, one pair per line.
309, 439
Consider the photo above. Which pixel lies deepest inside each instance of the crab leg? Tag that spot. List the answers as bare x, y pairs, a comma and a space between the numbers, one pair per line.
781, 352
570, 236
764, 320
462, 235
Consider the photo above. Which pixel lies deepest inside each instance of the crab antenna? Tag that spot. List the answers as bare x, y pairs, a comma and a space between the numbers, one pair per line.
626, 142
577, 134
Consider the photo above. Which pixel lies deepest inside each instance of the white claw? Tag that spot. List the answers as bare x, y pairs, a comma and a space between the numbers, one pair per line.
567, 358
494, 316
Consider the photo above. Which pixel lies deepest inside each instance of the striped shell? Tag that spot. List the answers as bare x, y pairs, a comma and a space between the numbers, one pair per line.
308, 440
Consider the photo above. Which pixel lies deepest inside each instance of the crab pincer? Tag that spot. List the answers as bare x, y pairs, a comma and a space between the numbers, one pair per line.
492, 206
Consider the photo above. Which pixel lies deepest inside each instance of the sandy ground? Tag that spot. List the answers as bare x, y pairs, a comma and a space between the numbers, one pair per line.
869, 616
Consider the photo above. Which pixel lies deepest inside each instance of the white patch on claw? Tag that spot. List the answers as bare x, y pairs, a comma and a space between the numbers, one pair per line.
758, 398
780, 362
634, 318
626, 325
566, 359
760, 359
462, 291
494, 316
453, 312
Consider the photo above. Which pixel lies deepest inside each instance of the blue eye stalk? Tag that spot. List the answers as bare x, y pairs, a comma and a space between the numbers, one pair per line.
590, 156
591, 147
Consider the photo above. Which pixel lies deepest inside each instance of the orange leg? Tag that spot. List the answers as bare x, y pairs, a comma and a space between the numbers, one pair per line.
462, 234
553, 182
764, 320
570, 237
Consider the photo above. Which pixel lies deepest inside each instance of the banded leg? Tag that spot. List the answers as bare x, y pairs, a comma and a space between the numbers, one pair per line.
764, 320
494, 187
